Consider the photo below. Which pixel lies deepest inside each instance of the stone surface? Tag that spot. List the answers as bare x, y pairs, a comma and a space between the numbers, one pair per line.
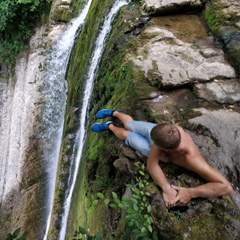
22, 168
231, 6
19, 108
176, 63
61, 10
217, 133
163, 6
222, 91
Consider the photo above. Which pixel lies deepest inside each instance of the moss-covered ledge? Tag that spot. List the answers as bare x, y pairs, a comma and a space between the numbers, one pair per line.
78, 65
113, 88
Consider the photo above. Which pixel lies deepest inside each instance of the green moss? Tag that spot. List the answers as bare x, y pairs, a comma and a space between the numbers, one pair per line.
78, 67
113, 89
88, 215
234, 53
216, 17
117, 78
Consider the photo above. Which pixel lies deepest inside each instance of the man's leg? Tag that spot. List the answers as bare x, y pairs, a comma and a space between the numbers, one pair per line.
132, 139
136, 140
140, 127
124, 118
120, 133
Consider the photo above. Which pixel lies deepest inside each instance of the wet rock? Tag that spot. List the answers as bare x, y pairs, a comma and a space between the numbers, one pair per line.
233, 228
123, 165
204, 207
61, 10
137, 26
222, 91
154, 7
145, 91
231, 39
231, 7
126, 151
194, 220
144, 20
217, 135
175, 63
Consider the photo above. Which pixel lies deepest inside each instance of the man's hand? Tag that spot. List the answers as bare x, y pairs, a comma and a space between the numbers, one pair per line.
169, 196
183, 195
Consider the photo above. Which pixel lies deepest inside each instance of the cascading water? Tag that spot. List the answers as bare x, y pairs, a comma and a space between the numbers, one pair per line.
81, 134
55, 94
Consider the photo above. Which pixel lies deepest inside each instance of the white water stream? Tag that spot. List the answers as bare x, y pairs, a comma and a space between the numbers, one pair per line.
81, 134
56, 95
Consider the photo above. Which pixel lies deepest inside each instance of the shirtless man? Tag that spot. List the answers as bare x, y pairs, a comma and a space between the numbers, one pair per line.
167, 143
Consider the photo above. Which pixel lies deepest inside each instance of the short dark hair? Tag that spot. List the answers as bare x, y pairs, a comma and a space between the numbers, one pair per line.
166, 136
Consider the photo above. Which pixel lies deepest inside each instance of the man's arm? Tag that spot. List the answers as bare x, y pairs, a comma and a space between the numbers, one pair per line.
169, 194
217, 185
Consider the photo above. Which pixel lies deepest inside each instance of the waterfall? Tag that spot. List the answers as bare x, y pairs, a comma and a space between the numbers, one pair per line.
81, 133
55, 93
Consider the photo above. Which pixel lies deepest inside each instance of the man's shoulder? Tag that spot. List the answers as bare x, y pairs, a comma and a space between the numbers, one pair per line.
180, 128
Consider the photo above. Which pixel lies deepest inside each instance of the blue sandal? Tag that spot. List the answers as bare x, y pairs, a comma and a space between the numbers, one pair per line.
104, 113
100, 127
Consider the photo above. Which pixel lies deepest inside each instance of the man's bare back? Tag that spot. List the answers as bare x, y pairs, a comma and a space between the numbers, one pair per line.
188, 156
168, 143
183, 154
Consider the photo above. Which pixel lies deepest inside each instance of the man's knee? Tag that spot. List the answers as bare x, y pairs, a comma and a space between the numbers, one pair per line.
126, 133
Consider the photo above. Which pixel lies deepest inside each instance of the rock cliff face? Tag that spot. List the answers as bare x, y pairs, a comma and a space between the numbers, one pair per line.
22, 167
23, 182
182, 73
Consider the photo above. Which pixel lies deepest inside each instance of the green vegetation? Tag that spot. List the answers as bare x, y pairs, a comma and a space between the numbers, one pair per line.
216, 16
113, 88
15, 235
222, 23
78, 66
17, 21
139, 222
83, 234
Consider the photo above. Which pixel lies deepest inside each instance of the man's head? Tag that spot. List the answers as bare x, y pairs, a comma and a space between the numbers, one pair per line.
166, 136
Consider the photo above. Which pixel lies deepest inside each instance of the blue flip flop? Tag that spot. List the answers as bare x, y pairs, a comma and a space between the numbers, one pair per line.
100, 127
104, 113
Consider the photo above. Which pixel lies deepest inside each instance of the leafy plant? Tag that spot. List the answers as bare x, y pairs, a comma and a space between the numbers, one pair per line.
137, 208
17, 21
15, 235
83, 234
101, 183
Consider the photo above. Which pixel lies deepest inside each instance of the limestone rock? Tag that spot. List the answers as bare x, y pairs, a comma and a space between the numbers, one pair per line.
122, 165
217, 134
230, 36
231, 6
61, 10
163, 6
175, 63
222, 91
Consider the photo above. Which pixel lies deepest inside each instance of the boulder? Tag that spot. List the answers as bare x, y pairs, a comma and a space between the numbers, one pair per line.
222, 91
222, 126
175, 63
217, 135
61, 10
153, 7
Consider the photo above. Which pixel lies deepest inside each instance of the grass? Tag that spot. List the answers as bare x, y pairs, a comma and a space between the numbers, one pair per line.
217, 17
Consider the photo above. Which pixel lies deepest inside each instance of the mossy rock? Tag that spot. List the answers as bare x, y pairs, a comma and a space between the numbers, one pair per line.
230, 37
